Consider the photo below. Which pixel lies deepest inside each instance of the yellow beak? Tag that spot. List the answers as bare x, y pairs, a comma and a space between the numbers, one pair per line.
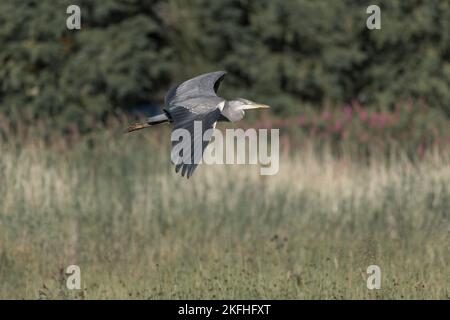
256, 106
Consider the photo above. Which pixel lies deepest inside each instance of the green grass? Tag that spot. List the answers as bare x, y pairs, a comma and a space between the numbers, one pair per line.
113, 205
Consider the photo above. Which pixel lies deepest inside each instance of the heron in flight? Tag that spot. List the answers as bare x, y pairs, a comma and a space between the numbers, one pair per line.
196, 100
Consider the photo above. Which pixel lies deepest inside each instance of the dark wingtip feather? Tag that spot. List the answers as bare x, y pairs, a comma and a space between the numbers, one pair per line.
183, 172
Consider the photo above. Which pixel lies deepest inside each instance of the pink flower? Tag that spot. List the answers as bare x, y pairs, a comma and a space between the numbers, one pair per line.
301, 120
326, 115
363, 115
337, 127
348, 111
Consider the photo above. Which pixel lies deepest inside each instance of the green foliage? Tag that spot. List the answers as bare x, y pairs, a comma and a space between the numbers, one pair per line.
116, 61
283, 52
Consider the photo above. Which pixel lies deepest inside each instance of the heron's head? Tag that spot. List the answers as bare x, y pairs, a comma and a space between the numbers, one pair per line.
234, 109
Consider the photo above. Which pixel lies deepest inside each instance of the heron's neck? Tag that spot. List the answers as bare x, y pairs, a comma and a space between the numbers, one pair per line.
232, 111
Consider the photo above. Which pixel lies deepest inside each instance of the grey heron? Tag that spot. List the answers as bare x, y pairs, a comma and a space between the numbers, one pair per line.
197, 100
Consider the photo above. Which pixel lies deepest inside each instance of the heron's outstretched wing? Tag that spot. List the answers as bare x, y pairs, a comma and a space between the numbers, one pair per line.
205, 85
192, 122
194, 101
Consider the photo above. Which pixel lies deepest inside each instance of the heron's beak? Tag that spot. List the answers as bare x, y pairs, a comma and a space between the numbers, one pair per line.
256, 106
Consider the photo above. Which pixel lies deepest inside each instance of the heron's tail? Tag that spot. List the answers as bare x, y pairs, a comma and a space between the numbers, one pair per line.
161, 118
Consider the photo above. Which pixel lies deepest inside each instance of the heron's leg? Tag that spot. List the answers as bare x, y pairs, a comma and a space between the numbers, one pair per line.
151, 121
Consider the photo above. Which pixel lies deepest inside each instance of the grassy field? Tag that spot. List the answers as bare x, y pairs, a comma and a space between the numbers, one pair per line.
113, 205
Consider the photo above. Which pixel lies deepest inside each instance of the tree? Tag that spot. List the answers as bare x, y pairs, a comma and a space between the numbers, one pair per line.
283, 52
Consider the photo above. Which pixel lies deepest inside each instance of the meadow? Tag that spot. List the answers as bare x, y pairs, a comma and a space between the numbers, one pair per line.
113, 205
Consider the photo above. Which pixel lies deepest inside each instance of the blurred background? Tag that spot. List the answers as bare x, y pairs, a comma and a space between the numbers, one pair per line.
364, 119
298, 56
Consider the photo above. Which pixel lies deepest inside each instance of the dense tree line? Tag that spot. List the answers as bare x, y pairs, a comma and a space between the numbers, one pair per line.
283, 52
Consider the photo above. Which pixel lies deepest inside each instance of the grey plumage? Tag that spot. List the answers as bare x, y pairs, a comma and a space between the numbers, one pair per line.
196, 100
197, 92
